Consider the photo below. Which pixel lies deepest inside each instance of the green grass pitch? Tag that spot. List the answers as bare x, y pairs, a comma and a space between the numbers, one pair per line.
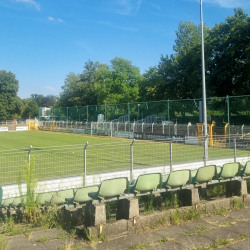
62, 154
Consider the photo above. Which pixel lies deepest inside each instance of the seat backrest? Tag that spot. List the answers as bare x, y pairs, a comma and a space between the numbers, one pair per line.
178, 178
147, 182
7, 202
60, 196
19, 201
1, 194
44, 198
247, 168
229, 170
205, 174
113, 187
85, 194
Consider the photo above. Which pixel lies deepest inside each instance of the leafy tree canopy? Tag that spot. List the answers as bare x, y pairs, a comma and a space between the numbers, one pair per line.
9, 101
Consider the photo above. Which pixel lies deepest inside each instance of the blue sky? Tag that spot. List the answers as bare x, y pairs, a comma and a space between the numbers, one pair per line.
43, 40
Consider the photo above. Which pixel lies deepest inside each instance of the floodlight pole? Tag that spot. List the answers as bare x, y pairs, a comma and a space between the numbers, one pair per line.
204, 88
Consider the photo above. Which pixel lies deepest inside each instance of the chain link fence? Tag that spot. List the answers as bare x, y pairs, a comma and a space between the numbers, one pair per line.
113, 158
229, 115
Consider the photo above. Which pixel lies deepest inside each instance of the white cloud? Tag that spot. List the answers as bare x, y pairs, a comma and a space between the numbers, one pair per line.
49, 88
156, 6
53, 19
109, 24
125, 7
228, 3
30, 2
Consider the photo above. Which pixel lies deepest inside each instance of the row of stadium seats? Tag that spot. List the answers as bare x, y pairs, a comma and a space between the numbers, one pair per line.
121, 188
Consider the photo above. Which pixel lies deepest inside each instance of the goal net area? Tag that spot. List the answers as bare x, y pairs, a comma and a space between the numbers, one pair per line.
48, 125
101, 128
33, 124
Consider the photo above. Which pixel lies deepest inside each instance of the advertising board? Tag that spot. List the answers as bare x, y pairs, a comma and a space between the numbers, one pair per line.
124, 134
78, 131
4, 129
22, 128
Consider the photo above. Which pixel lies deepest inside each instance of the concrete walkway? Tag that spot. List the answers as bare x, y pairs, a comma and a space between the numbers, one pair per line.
227, 231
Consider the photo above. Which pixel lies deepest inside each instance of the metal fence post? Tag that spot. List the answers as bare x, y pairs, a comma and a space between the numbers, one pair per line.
228, 117
235, 149
67, 117
87, 119
131, 160
29, 155
171, 157
128, 118
111, 129
168, 121
85, 164
105, 113
205, 150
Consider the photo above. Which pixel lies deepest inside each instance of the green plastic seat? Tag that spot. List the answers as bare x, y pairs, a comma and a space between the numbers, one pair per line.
176, 179
113, 187
7, 202
229, 170
19, 201
44, 198
146, 183
203, 174
246, 170
85, 194
1, 194
60, 197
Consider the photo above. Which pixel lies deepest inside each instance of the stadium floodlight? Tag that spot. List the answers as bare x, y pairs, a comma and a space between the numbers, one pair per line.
203, 87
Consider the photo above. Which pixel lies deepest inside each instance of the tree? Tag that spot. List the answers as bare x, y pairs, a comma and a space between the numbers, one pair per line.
44, 101
31, 109
177, 76
78, 89
230, 58
9, 102
118, 83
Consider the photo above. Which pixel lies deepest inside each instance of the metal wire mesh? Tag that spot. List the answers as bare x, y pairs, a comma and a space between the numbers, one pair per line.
66, 161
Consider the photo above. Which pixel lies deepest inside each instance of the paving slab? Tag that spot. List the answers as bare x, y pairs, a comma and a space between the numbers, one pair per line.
243, 244
50, 234
130, 241
217, 220
57, 244
221, 233
240, 214
172, 231
193, 226
20, 242
243, 228
194, 241
169, 245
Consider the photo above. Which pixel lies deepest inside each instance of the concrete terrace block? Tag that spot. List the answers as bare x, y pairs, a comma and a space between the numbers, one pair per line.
95, 214
112, 229
189, 197
127, 209
236, 187
214, 205
154, 219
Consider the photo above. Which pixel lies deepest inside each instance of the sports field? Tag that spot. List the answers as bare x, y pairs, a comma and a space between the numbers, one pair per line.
38, 139
62, 154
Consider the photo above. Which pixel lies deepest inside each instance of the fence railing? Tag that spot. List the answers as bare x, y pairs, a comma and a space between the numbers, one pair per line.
12, 122
82, 160
232, 110
118, 128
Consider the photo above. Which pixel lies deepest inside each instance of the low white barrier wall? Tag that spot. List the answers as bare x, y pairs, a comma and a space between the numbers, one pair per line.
77, 181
